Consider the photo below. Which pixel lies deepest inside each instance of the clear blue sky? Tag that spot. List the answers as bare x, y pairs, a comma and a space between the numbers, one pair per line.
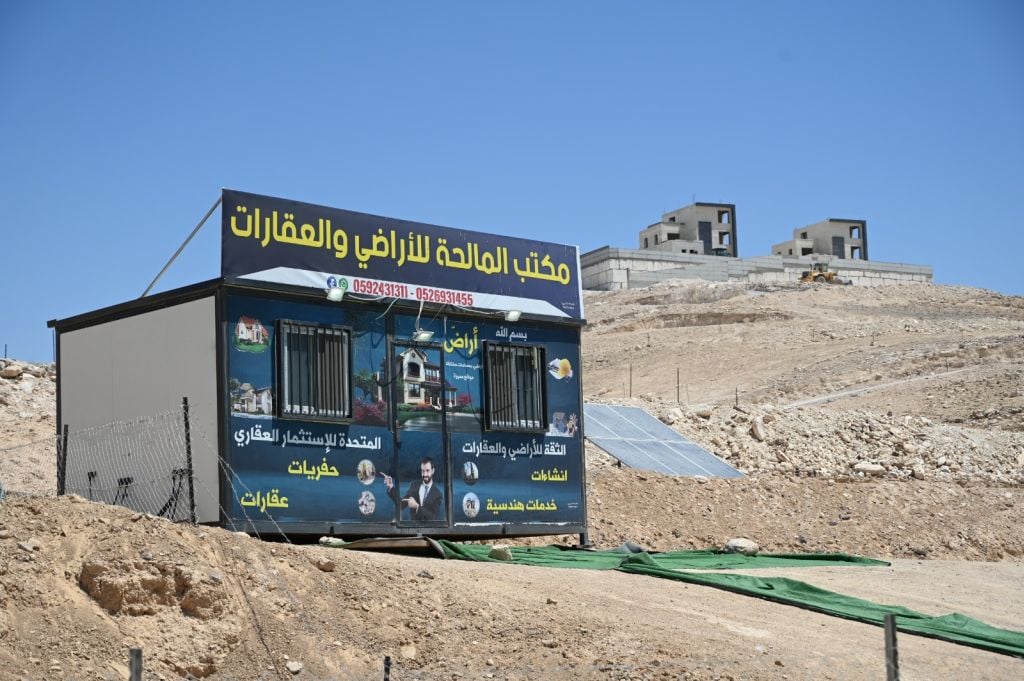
577, 122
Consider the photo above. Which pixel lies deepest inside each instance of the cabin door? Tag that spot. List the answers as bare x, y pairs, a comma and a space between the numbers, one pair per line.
421, 398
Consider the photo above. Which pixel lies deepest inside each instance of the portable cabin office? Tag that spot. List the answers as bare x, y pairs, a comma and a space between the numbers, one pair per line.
340, 363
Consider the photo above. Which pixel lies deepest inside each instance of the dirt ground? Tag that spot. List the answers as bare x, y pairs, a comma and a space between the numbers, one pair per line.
916, 456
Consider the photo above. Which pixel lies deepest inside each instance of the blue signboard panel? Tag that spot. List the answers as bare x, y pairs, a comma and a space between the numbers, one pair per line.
293, 469
416, 451
291, 242
504, 478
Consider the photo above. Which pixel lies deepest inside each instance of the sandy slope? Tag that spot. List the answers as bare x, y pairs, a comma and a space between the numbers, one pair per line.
80, 583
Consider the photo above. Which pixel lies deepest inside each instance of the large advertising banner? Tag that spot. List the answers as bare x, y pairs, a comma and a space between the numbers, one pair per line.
507, 478
297, 470
446, 470
291, 242
420, 400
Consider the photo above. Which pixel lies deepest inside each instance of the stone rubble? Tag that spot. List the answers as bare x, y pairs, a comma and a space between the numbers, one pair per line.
812, 442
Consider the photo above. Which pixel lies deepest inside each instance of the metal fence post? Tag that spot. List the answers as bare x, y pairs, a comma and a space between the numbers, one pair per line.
135, 664
892, 662
188, 463
62, 461
387, 668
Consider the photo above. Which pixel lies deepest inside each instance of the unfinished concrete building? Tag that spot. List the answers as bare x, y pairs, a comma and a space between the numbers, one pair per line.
697, 229
846, 239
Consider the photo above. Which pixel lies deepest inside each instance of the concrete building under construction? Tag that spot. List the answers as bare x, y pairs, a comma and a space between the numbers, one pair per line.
840, 238
688, 243
697, 229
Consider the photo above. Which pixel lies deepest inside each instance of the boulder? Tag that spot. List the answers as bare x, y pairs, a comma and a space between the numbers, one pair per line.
673, 416
741, 545
500, 552
866, 468
30, 546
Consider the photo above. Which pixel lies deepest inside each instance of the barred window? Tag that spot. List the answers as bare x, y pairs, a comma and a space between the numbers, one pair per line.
515, 387
314, 371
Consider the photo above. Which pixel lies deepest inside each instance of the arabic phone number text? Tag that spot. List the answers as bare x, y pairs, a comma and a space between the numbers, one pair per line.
380, 288
424, 293
440, 295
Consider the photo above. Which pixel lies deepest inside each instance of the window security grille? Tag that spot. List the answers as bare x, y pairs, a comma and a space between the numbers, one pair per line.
314, 371
515, 387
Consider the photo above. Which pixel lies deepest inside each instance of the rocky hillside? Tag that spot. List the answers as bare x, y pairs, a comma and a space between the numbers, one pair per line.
879, 421
28, 461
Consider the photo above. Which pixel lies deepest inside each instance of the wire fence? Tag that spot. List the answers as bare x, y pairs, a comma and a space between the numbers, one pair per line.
659, 383
11, 449
144, 464
28, 468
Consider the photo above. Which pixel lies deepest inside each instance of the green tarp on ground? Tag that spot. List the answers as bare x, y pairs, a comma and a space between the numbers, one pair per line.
954, 628
708, 559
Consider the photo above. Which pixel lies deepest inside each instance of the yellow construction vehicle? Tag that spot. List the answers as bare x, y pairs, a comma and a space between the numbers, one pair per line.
821, 274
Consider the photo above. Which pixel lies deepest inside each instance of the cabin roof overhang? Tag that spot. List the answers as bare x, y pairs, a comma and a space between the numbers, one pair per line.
212, 286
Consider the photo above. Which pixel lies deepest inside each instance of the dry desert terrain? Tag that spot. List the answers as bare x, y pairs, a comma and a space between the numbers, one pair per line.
886, 422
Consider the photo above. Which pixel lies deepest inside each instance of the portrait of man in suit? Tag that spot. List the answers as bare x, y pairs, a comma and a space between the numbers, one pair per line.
423, 498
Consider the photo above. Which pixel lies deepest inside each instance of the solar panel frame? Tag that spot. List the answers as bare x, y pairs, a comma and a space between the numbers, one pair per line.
639, 440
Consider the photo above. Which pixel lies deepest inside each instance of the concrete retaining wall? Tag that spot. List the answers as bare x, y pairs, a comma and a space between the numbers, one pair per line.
607, 269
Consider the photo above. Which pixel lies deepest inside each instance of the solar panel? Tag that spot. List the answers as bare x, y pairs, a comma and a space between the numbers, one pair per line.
639, 440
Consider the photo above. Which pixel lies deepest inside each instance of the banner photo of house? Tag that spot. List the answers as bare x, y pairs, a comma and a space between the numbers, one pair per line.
353, 375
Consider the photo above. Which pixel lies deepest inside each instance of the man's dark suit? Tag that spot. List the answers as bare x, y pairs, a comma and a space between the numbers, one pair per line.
430, 509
